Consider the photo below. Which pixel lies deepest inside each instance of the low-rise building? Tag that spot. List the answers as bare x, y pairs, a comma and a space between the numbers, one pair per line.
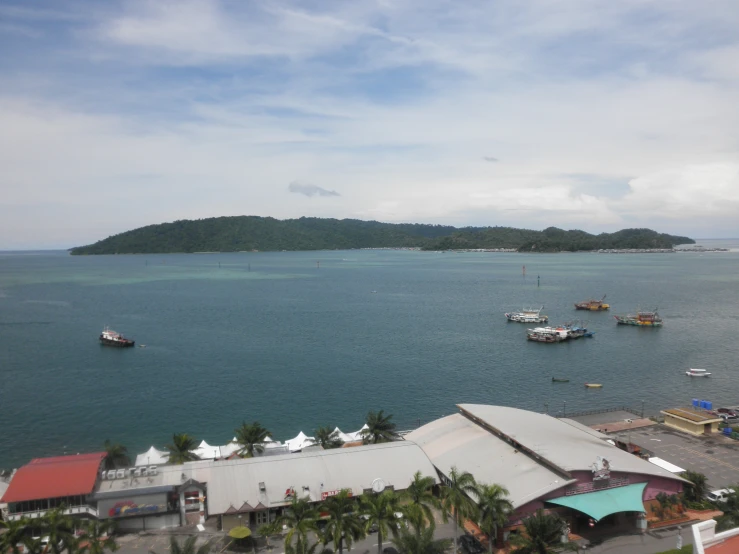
691, 420
707, 541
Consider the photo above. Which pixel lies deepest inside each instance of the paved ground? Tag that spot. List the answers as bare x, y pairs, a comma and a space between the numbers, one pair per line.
607, 417
716, 457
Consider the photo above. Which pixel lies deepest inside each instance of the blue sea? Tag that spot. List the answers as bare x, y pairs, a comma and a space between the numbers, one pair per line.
297, 340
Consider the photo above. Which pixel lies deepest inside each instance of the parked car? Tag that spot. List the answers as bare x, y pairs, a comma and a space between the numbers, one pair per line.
727, 411
470, 545
719, 495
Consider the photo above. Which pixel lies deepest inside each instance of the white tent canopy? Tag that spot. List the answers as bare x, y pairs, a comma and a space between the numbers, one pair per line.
299, 442
207, 452
356, 435
152, 457
343, 436
230, 448
664, 464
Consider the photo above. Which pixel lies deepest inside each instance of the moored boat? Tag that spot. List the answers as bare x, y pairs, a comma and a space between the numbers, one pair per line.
641, 319
593, 305
556, 380
593, 385
528, 315
111, 338
697, 372
547, 334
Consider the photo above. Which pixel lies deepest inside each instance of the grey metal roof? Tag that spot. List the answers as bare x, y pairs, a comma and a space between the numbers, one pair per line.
455, 441
233, 482
558, 442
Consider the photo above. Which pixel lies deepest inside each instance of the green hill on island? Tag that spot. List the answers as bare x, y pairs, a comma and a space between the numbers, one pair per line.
249, 233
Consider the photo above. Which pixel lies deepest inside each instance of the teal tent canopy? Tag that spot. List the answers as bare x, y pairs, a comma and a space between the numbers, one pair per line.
600, 504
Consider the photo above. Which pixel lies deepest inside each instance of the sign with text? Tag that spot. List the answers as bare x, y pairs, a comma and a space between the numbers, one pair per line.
326, 494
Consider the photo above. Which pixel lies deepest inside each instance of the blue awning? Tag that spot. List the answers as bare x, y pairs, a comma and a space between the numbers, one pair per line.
600, 504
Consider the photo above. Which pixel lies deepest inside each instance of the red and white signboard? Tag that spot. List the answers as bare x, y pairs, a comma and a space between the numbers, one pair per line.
326, 494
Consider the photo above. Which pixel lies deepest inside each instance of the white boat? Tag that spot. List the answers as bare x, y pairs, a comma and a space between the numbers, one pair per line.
547, 334
697, 372
528, 315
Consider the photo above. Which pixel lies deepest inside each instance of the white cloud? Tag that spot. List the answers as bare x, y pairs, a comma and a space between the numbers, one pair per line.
209, 108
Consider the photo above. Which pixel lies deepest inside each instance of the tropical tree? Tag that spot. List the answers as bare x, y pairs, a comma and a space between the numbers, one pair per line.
13, 535
116, 455
379, 510
420, 540
456, 498
303, 546
379, 428
300, 517
59, 528
187, 547
97, 537
493, 510
266, 530
698, 488
343, 526
180, 449
543, 535
327, 438
251, 438
420, 497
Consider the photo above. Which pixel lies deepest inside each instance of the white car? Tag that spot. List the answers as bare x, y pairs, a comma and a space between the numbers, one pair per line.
719, 495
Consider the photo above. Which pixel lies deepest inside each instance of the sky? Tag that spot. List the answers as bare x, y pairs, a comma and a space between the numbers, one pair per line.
580, 114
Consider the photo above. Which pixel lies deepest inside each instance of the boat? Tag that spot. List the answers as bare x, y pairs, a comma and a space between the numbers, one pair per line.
576, 331
555, 380
111, 338
641, 319
593, 305
528, 315
547, 334
593, 385
697, 373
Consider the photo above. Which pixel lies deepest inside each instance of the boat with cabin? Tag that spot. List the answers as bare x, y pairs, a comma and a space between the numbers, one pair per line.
528, 315
593, 305
697, 373
112, 338
640, 319
547, 334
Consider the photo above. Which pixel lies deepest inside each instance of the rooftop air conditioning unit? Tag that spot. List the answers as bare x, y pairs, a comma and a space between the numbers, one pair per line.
262, 488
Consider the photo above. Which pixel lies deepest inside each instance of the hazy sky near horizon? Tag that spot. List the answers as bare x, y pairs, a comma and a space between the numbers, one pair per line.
586, 114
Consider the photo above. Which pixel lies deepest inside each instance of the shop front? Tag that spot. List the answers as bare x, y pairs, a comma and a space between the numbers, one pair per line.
141, 511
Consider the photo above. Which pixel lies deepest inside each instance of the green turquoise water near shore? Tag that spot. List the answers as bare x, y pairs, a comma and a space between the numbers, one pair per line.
275, 338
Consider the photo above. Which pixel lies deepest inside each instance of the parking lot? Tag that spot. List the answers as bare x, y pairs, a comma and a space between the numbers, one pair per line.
715, 456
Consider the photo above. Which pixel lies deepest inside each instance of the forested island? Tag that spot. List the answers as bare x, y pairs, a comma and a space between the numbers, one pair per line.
253, 233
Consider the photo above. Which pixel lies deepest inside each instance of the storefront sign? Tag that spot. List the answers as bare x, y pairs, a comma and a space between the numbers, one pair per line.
326, 494
130, 508
601, 469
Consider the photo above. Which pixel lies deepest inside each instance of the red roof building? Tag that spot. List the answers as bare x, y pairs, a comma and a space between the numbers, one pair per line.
58, 477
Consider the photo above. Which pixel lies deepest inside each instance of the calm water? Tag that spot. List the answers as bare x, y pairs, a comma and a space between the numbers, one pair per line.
295, 346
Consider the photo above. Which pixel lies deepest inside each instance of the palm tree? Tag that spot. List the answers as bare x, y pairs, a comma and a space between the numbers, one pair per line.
699, 487
188, 547
379, 510
494, 510
266, 530
116, 455
379, 428
343, 526
421, 498
420, 541
543, 535
180, 449
457, 498
326, 438
251, 437
14, 534
59, 527
302, 546
301, 518
97, 537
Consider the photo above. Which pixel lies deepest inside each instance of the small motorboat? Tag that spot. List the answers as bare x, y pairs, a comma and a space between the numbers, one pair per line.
556, 380
593, 385
697, 373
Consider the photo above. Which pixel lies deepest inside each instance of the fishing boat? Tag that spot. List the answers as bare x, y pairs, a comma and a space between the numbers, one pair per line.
593, 385
575, 331
556, 380
641, 319
593, 305
547, 334
697, 373
111, 338
528, 315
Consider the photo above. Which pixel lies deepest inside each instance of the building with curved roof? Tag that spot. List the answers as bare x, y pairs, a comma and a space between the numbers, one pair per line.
546, 462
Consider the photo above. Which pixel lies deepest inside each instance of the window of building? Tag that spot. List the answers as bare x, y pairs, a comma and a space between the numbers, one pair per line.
262, 517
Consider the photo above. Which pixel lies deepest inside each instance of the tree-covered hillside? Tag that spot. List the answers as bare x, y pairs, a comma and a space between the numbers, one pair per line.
247, 233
